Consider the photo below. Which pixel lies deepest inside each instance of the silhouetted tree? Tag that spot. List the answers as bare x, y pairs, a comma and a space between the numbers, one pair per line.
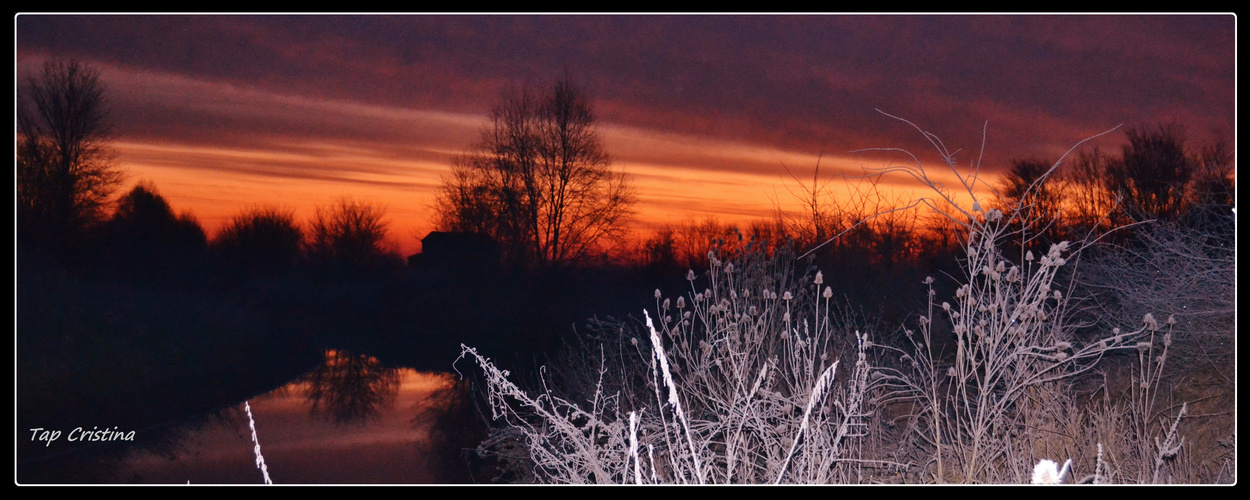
1032, 193
539, 181
821, 217
696, 238
1152, 175
941, 234
262, 240
348, 235
1212, 192
1028, 182
146, 241
1213, 178
65, 169
1155, 177
1087, 204
659, 252
896, 239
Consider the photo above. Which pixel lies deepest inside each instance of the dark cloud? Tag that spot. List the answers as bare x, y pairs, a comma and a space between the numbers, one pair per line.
794, 84
786, 80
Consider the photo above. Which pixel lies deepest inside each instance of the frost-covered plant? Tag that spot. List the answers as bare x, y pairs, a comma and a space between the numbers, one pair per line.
754, 353
1010, 334
260, 459
1145, 456
559, 441
734, 382
1136, 442
1012, 330
1187, 275
1172, 268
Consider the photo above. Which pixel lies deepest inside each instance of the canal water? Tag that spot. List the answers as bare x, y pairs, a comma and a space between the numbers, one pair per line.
352, 421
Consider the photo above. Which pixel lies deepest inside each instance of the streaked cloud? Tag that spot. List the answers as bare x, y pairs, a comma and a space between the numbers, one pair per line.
712, 114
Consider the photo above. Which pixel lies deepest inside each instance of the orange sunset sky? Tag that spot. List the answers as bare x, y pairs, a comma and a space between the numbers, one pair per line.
710, 115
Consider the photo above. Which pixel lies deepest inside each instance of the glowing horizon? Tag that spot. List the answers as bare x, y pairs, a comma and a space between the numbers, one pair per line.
216, 183
710, 115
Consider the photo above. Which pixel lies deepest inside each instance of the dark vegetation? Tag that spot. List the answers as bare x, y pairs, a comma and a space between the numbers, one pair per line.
538, 181
963, 393
129, 315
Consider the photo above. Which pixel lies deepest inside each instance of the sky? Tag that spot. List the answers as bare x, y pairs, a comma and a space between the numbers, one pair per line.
710, 115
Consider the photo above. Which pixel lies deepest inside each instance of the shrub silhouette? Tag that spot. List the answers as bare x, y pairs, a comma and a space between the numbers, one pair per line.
261, 241
348, 236
146, 241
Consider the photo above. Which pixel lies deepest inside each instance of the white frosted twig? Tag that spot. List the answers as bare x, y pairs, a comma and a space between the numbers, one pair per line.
729, 443
260, 459
1099, 466
672, 395
633, 446
1171, 444
558, 429
651, 456
822, 384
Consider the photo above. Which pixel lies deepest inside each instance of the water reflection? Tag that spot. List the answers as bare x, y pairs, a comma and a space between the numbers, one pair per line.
350, 388
402, 423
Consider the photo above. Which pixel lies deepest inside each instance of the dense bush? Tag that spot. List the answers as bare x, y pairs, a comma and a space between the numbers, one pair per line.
259, 241
145, 241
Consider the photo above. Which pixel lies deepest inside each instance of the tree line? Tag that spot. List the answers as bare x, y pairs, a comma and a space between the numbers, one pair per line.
67, 174
539, 182
1157, 176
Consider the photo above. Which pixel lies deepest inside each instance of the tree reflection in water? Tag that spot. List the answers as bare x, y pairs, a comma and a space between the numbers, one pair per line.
350, 388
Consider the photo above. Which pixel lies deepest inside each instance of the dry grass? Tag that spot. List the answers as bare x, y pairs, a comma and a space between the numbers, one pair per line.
737, 383
754, 376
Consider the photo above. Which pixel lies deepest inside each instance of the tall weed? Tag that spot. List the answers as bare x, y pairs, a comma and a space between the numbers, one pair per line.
755, 376
736, 381
1014, 346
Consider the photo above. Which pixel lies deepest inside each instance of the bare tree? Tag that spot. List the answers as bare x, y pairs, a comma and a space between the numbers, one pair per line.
820, 217
1032, 193
539, 181
1152, 176
1213, 177
1029, 183
65, 168
1087, 202
1212, 191
348, 234
1155, 177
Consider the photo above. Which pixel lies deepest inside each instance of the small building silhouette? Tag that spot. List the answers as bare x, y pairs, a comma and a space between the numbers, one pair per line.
456, 251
